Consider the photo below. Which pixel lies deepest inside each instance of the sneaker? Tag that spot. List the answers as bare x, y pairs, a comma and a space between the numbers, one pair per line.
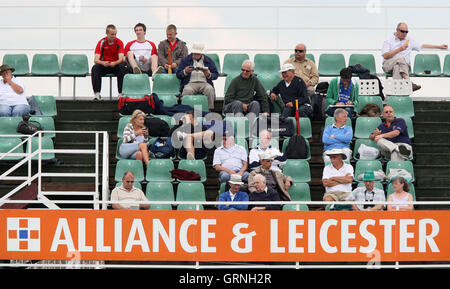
97, 96
137, 70
416, 87
404, 151
159, 70
181, 135
190, 156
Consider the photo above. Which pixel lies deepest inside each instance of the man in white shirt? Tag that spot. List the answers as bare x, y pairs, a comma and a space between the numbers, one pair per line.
128, 193
265, 146
230, 159
396, 52
13, 101
337, 177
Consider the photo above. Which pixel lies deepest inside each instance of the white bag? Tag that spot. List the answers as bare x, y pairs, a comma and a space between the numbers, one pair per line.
367, 152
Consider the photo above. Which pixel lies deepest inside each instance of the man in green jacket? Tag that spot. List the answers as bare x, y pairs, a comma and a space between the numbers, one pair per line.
245, 93
342, 92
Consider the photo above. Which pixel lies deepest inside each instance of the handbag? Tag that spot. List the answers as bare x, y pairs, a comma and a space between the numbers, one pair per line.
28, 127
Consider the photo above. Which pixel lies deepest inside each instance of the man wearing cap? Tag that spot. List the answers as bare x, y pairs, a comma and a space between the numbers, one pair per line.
367, 193
392, 136
13, 101
337, 177
290, 89
196, 73
305, 68
229, 159
264, 146
234, 195
275, 179
246, 94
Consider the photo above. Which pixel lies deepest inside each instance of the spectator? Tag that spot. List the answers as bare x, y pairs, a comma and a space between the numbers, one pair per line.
290, 89
338, 135
368, 193
337, 177
246, 94
275, 179
108, 59
196, 73
401, 195
342, 91
263, 194
264, 146
229, 159
234, 195
193, 136
392, 136
305, 68
396, 52
13, 101
135, 138
141, 54
178, 50
128, 193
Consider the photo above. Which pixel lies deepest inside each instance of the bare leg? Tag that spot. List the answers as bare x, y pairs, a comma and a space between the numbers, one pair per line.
143, 149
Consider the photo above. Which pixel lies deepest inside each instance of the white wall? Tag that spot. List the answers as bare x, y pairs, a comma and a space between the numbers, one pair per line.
75, 26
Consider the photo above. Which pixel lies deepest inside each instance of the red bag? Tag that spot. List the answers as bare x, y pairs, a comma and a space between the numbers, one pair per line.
127, 105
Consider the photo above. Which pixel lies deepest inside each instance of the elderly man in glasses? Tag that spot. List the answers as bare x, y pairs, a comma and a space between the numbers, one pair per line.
246, 94
129, 194
396, 52
305, 68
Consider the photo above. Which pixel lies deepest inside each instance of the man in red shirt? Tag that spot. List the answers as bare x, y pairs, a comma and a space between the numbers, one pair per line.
108, 59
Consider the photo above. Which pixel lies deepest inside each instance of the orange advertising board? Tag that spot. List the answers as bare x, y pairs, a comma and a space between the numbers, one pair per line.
225, 236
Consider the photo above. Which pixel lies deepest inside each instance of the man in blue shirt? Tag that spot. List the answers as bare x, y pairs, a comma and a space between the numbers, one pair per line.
392, 136
234, 195
338, 135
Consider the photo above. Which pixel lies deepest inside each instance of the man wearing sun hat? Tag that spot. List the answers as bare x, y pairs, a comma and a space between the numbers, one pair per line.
292, 88
337, 177
13, 101
234, 194
367, 193
196, 73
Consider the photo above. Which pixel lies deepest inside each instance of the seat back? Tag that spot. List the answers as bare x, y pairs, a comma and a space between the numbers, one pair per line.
364, 126
160, 191
47, 104
427, 63
366, 165
195, 101
135, 166
136, 85
405, 165
215, 58
232, 63
158, 170
45, 64
366, 60
269, 81
403, 105
330, 64
19, 62
75, 65
8, 125
363, 100
197, 166
8, 143
297, 169
190, 191
47, 144
446, 66
398, 87
369, 87
267, 63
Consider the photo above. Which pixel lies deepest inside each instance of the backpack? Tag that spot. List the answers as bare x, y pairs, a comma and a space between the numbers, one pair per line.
296, 148
28, 127
157, 127
162, 148
127, 105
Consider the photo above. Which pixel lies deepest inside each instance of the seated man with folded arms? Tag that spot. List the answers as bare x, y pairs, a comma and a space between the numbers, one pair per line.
392, 136
338, 135
246, 94
337, 177
342, 91
234, 194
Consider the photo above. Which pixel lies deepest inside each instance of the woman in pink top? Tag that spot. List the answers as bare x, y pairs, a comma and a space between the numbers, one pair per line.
400, 195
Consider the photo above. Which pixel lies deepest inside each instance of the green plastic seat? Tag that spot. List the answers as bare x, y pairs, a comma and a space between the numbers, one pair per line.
363, 100
232, 63
75, 65
406, 165
366, 165
135, 166
269, 81
167, 118
7, 144
123, 121
168, 99
297, 169
240, 125
8, 125
158, 170
410, 126
330, 64
166, 84
19, 62
228, 80
366, 60
135, 184
300, 192
136, 85
47, 123
329, 120
423, 62
267, 63
160, 191
47, 104
190, 191
292, 207
365, 141
364, 126
119, 142
45, 64
286, 142
196, 100
390, 190
216, 59
403, 105
197, 166
47, 144
242, 142
305, 126
446, 66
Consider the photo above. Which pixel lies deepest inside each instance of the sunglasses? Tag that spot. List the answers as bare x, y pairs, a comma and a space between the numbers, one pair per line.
299, 50
245, 70
403, 31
